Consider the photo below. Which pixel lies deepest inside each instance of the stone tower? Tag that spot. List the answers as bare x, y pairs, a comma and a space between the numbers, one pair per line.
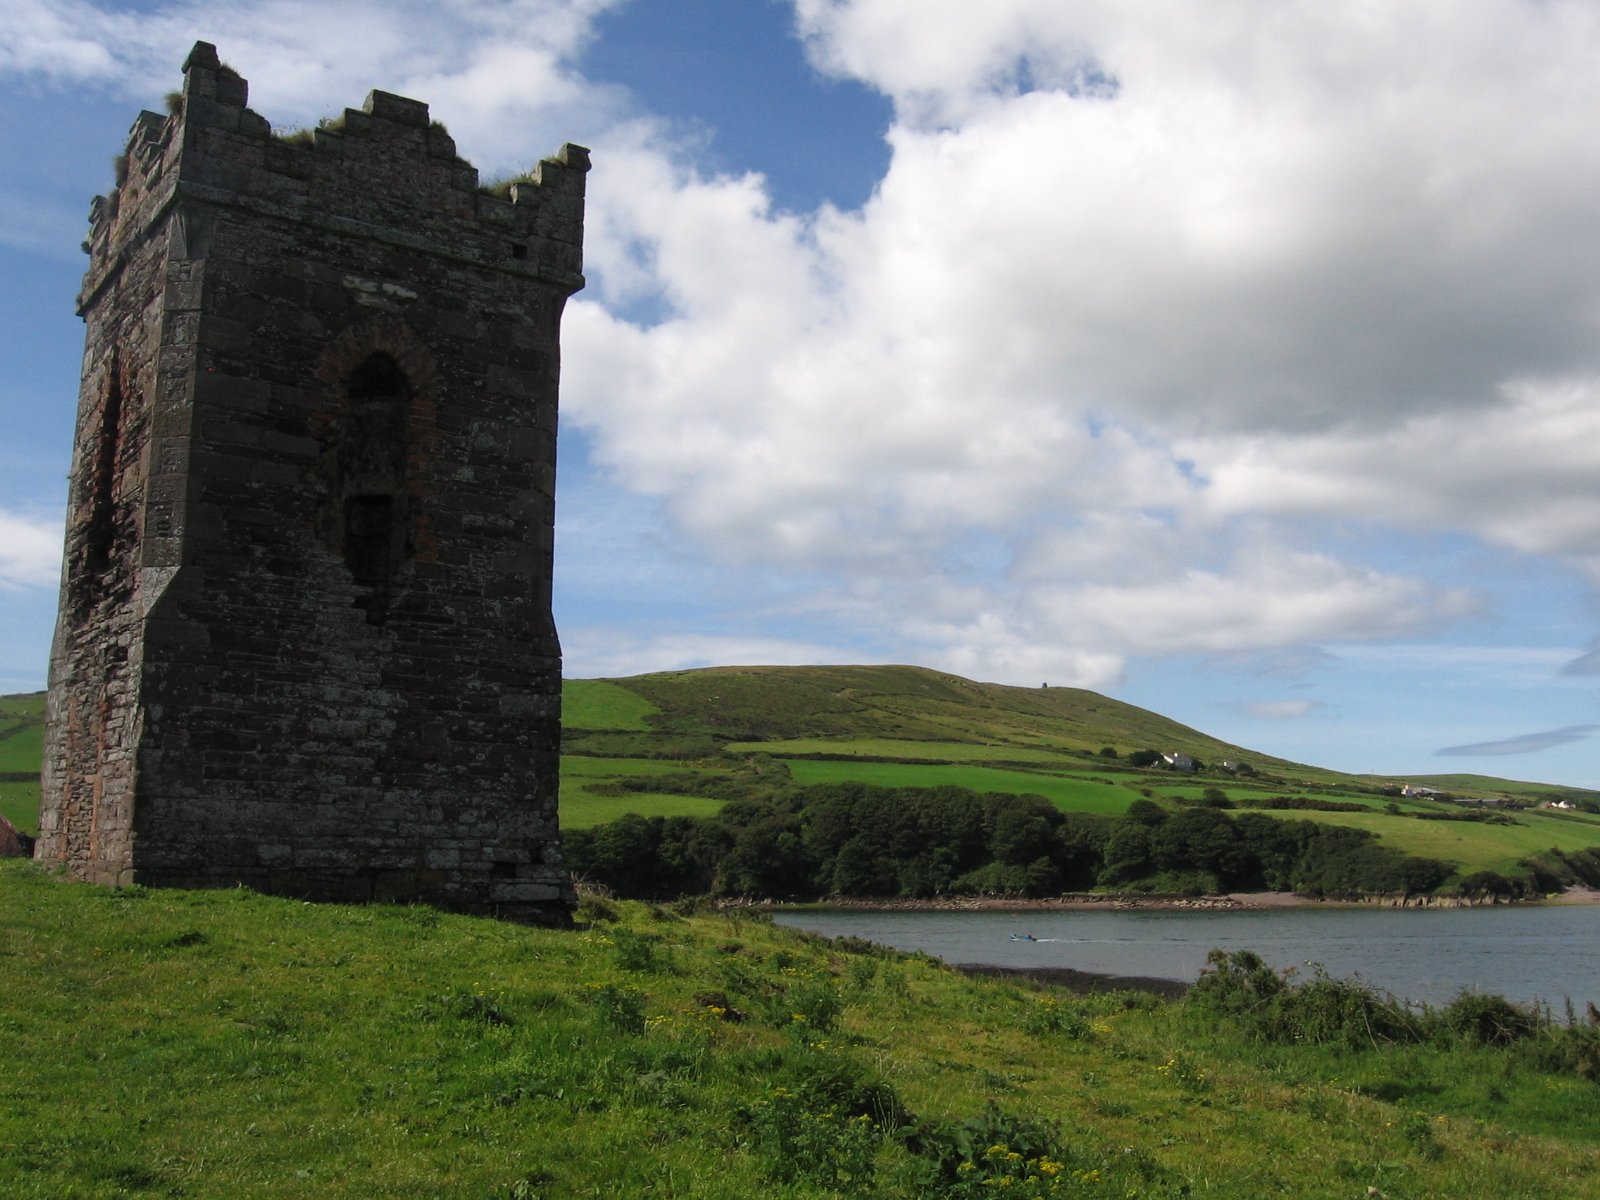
305, 640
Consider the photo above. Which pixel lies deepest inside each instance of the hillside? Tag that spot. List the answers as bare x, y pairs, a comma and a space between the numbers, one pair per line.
922, 709
226, 1044
910, 727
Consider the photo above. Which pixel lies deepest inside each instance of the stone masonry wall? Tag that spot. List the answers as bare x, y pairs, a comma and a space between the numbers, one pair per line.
316, 654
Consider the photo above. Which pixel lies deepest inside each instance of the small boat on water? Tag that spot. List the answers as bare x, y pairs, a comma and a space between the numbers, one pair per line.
1023, 937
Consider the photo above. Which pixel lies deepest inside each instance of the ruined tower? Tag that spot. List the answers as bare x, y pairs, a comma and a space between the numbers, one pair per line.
305, 640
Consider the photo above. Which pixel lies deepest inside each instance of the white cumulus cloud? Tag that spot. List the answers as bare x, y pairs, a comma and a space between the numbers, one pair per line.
30, 551
1150, 300
1280, 710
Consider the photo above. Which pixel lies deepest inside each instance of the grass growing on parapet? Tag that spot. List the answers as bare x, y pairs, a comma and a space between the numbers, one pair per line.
501, 188
226, 1044
308, 137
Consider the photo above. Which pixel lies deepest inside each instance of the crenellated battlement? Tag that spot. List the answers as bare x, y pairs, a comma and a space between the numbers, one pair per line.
387, 164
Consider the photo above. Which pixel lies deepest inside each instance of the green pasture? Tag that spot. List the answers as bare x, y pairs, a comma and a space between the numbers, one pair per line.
1243, 794
902, 748
22, 750
1473, 846
582, 811
585, 803
21, 732
21, 747
1070, 794
596, 704
19, 804
584, 769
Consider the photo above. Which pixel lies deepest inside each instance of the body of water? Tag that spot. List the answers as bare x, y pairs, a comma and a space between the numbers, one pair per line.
1522, 953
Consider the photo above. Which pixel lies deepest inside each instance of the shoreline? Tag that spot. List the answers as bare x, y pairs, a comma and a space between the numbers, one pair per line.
1079, 983
1228, 902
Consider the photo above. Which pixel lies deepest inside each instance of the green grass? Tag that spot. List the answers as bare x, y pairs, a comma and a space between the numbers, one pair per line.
1470, 845
583, 811
1244, 794
596, 704
19, 804
21, 748
223, 1044
863, 747
583, 769
1070, 794
587, 800
21, 732
747, 704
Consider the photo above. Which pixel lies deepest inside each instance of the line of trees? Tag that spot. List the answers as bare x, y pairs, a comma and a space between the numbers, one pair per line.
858, 840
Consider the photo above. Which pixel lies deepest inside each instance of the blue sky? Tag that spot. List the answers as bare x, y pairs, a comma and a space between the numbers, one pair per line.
1242, 364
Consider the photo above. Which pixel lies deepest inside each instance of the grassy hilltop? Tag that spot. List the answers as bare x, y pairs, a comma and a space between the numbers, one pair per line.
911, 727
225, 1044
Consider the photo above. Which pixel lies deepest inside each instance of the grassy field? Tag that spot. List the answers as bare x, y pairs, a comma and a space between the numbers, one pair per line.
1074, 794
841, 718
896, 748
223, 1044
19, 804
587, 798
581, 810
1473, 846
596, 704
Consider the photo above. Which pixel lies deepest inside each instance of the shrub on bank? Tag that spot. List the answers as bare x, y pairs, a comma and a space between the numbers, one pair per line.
1280, 1008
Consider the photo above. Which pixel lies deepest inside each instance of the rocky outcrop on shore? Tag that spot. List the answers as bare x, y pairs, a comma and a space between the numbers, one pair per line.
1431, 901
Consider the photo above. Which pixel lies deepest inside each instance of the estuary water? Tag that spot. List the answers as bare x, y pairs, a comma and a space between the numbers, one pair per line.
1524, 953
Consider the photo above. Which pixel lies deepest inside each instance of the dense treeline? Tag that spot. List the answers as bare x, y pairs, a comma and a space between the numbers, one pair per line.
1553, 870
859, 840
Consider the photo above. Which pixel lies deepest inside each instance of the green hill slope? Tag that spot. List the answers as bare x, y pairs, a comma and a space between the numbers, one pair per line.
225, 1044
655, 744
905, 704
